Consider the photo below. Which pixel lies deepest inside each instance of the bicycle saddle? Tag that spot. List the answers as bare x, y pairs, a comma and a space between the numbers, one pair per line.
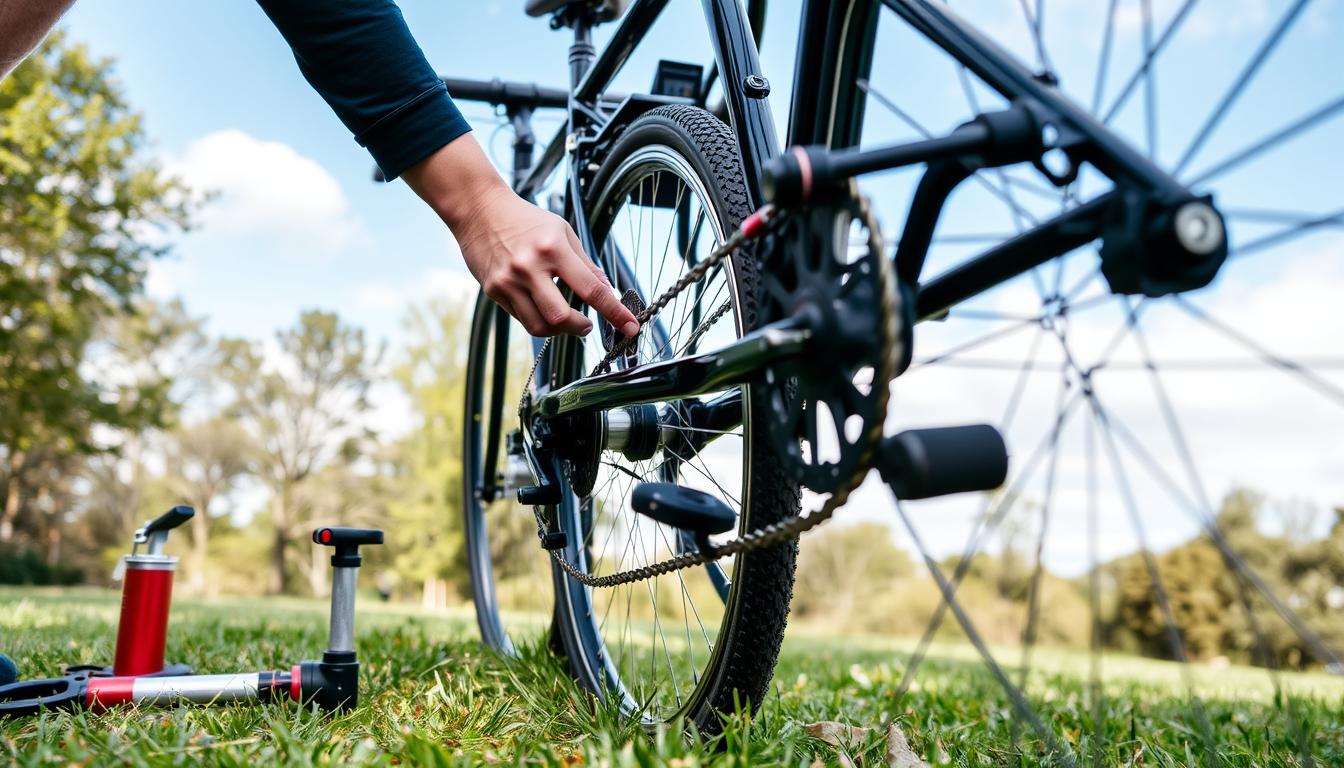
545, 7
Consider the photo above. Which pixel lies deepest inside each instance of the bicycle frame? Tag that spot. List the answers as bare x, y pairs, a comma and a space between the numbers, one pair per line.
827, 69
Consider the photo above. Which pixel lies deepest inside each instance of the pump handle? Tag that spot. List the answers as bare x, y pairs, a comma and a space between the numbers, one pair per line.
170, 519
347, 542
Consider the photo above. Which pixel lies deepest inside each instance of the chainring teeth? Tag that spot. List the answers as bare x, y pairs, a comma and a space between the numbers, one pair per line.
807, 254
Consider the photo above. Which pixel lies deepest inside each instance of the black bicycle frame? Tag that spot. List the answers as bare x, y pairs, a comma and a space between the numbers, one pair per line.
835, 49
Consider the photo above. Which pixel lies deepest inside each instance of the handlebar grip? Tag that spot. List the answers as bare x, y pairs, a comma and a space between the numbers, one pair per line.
170, 519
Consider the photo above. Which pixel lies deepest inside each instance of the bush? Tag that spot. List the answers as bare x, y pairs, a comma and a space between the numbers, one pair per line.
28, 567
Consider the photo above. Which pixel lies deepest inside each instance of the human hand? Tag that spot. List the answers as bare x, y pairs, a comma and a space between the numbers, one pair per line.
512, 248
515, 249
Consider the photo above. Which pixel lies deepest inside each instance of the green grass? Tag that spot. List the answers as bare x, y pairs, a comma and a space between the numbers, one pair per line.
432, 695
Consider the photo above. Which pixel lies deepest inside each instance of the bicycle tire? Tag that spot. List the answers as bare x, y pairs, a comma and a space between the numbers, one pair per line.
756, 611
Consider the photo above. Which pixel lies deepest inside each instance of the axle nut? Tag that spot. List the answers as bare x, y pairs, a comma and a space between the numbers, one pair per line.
1199, 229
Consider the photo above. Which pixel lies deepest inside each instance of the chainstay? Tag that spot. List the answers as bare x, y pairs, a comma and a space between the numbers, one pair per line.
792, 528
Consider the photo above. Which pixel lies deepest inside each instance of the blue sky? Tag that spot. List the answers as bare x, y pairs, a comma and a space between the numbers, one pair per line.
300, 223
216, 76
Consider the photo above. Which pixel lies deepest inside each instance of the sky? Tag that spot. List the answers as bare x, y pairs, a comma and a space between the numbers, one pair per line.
299, 223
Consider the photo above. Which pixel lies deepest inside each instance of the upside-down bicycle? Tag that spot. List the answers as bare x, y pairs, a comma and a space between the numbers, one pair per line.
665, 476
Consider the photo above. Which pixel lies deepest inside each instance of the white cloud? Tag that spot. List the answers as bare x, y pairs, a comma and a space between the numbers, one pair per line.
437, 283
267, 188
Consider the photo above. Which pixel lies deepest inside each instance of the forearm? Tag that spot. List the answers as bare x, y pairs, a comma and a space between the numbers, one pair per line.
457, 181
361, 58
23, 24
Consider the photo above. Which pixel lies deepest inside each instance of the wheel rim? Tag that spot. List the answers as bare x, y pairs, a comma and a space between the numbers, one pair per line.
1075, 425
649, 642
506, 566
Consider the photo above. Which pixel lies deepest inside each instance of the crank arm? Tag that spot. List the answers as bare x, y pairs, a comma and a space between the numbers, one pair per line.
737, 363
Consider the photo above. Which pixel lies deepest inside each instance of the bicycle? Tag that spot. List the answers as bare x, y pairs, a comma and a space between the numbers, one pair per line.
665, 476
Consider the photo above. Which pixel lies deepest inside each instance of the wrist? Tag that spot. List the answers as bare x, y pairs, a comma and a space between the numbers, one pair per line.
458, 182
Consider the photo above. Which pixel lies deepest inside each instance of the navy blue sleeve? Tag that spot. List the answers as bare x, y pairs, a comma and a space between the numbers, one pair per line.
361, 58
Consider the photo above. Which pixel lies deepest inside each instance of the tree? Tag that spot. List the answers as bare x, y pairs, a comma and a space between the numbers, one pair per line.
428, 459
204, 461
842, 567
82, 212
303, 411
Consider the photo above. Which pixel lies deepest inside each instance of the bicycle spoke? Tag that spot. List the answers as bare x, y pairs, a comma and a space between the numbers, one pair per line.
1173, 633
1149, 57
974, 343
1104, 58
1177, 435
1239, 86
1306, 375
1015, 695
1275, 139
1038, 568
1149, 79
983, 529
1319, 649
1095, 691
1268, 216
1289, 234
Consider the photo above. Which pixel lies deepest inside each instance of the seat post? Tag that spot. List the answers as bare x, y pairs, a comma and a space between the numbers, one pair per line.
581, 52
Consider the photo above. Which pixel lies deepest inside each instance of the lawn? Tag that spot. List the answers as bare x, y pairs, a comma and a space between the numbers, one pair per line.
432, 695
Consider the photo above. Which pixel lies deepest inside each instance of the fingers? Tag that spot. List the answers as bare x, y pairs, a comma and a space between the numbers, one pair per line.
556, 314
535, 318
588, 283
589, 263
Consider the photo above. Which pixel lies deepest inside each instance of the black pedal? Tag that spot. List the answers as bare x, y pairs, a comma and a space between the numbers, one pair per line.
923, 463
695, 512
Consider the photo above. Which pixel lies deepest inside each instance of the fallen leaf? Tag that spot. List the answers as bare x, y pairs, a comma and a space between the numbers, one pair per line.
837, 734
899, 754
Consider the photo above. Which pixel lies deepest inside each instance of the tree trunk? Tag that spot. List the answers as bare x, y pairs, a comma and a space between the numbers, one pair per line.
318, 566
200, 539
54, 541
12, 498
435, 594
280, 542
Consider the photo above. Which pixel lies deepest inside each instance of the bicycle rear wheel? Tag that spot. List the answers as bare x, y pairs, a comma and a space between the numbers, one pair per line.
1149, 436
697, 643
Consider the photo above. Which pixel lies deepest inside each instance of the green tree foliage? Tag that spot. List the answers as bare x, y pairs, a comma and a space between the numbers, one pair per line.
304, 411
82, 212
426, 532
1219, 612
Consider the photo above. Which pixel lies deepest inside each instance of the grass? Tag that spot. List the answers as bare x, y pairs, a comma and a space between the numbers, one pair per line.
432, 695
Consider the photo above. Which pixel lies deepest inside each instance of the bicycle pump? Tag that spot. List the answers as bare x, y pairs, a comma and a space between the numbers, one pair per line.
331, 684
146, 597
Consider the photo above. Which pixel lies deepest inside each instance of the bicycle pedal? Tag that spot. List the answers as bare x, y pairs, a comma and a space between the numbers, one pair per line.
923, 463
695, 512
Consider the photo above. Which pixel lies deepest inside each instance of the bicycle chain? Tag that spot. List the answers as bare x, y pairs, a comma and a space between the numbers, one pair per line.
792, 528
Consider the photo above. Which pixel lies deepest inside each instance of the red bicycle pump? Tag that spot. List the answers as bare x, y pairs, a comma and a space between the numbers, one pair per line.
139, 676
146, 596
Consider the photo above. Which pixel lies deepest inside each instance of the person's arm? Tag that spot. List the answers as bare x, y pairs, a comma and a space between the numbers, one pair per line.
23, 24
361, 58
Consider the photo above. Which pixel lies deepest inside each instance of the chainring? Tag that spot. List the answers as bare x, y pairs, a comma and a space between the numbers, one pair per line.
826, 267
